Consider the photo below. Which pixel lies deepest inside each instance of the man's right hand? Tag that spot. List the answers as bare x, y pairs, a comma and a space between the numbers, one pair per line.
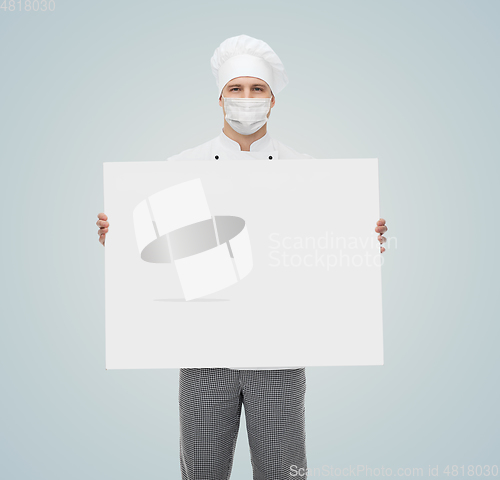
103, 227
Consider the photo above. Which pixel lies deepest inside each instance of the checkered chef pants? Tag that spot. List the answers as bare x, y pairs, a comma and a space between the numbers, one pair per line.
210, 402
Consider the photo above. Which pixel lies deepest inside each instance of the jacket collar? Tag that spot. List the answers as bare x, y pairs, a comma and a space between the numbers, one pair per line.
259, 145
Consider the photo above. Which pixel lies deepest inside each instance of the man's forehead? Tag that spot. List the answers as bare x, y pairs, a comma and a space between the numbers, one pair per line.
252, 81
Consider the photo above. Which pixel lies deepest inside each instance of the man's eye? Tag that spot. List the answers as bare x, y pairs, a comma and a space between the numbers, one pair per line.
234, 88
258, 88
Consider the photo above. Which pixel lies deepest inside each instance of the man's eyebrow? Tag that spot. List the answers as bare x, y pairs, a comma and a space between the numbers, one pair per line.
253, 85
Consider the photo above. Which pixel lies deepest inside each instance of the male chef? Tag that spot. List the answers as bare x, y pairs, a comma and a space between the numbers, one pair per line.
248, 74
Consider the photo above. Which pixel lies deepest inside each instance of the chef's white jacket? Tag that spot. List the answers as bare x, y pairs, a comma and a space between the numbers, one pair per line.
221, 148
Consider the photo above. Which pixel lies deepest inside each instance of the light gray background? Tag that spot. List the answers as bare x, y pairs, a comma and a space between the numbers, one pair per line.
414, 83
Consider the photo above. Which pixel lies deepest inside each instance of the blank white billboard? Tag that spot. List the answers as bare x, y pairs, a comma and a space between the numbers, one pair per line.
242, 264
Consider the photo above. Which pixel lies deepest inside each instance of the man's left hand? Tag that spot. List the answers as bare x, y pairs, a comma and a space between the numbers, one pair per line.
381, 228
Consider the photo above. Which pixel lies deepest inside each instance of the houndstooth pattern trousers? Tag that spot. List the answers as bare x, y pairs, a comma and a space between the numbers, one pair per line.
210, 401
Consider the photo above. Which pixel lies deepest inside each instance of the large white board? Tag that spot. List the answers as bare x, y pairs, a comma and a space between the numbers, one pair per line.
247, 263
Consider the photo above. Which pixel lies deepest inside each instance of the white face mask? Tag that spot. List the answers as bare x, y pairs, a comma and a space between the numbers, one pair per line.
246, 115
